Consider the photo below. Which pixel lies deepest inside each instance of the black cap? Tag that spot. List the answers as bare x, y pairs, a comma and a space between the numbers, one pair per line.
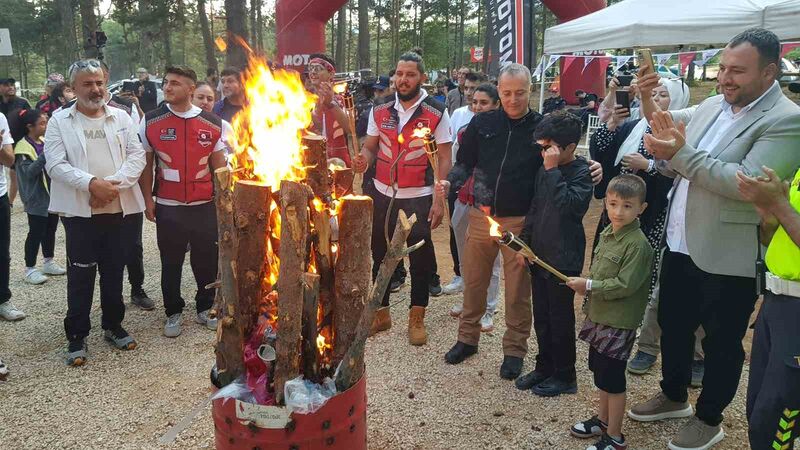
8, 81
381, 83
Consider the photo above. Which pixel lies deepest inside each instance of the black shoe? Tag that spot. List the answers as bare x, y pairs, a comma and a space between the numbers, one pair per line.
530, 380
139, 298
511, 367
435, 287
552, 387
395, 285
460, 352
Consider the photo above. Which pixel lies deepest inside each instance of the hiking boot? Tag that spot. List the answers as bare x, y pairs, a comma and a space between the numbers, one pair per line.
589, 428
139, 298
511, 367
698, 370
173, 326
606, 442
530, 380
487, 323
455, 286
10, 312
203, 319
435, 287
417, 335
77, 353
120, 339
456, 310
641, 363
659, 408
553, 387
35, 277
460, 352
696, 435
381, 322
52, 268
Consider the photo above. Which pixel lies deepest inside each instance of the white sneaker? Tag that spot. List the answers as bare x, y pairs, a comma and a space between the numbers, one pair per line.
203, 319
36, 277
52, 268
173, 326
487, 323
10, 312
456, 286
456, 310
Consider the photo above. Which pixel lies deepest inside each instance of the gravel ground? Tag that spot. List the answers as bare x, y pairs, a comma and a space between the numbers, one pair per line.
126, 400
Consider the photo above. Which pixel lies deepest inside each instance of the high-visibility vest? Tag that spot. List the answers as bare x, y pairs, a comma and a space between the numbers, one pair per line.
783, 255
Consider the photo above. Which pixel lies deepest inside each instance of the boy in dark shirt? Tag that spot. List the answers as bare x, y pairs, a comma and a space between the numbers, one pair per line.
554, 231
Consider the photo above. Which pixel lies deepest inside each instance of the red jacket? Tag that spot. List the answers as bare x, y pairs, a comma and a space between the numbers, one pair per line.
182, 147
412, 169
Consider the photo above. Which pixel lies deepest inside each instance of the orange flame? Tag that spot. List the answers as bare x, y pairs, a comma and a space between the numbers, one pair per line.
221, 44
340, 88
495, 229
421, 132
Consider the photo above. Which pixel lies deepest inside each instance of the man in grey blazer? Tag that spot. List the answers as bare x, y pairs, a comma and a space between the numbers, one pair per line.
708, 268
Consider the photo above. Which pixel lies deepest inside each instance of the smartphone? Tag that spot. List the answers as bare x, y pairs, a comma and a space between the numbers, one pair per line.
128, 86
624, 80
645, 57
623, 99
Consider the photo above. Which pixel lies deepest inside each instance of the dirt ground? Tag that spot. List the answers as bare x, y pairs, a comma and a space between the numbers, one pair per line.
124, 400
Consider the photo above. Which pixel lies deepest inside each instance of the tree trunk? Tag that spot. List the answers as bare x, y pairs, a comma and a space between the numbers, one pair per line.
235, 21
254, 7
315, 160
363, 34
260, 26
208, 40
421, 29
88, 28
487, 37
460, 45
378, 48
349, 59
66, 12
341, 35
310, 361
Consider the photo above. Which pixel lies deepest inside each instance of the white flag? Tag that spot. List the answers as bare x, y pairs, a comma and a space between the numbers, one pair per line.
621, 61
551, 61
706, 55
586, 61
663, 58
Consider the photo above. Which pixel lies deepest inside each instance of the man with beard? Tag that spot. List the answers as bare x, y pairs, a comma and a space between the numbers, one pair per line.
330, 120
232, 95
94, 159
404, 174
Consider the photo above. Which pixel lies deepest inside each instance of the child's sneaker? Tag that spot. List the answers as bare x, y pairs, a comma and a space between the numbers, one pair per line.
589, 428
606, 442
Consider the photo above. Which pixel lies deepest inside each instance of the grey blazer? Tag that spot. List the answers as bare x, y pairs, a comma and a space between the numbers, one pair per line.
720, 227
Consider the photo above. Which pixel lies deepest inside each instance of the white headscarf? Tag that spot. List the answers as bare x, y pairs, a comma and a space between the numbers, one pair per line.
678, 99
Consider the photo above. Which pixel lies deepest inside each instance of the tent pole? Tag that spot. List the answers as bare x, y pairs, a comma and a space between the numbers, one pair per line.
541, 88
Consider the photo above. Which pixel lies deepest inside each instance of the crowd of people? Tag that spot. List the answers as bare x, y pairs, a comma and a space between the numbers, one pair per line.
690, 194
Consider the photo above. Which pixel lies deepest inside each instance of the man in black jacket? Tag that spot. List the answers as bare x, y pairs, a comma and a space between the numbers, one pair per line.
146, 90
498, 149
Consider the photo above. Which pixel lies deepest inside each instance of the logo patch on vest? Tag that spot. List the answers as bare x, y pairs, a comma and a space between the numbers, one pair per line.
388, 123
168, 134
204, 138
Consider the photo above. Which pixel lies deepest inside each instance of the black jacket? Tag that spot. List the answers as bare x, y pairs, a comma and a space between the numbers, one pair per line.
504, 159
554, 223
149, 98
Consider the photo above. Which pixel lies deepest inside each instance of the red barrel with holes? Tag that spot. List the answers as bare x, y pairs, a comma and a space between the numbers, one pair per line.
341, 423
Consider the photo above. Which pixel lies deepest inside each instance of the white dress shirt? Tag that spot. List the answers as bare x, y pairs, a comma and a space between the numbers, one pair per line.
676, 225
441, 135
68, 165
5, 140
461, 118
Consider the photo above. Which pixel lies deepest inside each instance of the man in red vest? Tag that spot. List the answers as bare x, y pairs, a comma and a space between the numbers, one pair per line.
404, 173
186, 145
330, 120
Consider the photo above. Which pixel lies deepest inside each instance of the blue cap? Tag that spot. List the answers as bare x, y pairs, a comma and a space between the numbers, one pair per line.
382, 83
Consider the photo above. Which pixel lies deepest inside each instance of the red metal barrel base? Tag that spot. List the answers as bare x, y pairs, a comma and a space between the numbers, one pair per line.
340, 424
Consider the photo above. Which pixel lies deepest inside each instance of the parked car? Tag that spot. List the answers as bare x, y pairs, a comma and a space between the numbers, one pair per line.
116, 86
789, 71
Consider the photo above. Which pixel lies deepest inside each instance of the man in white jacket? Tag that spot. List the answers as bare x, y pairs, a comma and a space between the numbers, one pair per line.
94, 158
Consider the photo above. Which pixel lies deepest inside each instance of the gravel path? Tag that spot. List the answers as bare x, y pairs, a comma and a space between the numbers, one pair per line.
129, 400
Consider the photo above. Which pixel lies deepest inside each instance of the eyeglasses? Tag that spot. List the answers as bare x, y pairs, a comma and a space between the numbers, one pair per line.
314, 68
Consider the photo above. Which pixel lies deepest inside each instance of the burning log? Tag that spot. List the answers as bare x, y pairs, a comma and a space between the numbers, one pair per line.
353, 270
315, 159
294, 234
229, 348
352, 367
343, 181
251, 201
310, 309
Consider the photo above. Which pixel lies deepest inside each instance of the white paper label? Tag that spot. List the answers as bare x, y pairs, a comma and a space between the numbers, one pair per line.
262, 416
171, 175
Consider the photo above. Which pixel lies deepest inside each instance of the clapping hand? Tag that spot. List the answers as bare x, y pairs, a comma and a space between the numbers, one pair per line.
764, 192
577, 284
635, 162
667, 138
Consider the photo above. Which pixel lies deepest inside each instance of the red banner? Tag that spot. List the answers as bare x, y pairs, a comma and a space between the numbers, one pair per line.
476, 54
686, 59
568, 62
786, 48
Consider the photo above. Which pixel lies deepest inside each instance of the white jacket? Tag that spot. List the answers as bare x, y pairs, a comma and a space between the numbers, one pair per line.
67, 163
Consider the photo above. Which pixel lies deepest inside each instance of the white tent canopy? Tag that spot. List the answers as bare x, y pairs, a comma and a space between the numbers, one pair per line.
652, 23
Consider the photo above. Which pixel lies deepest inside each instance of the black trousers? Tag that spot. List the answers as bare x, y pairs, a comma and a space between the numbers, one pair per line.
96, 243
177, 227
135, 261
5, 248
554, 323
773, 391
41, 233
722, 304
451, 201
423, 260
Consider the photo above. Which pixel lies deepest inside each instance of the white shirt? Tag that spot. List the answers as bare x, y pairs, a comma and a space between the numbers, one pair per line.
68, 165
441, 135
676, 225
101, 161
461, 118
219, 146
7, 140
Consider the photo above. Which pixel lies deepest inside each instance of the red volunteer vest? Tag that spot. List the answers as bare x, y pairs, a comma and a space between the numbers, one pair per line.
334, 135
182, 147
413, 168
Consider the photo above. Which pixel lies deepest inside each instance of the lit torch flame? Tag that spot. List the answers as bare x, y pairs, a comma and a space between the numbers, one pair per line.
340, 88
221, 44
421, 132
494, 231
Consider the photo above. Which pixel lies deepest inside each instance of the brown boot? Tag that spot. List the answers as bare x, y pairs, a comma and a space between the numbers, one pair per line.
381, 322
416, 326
